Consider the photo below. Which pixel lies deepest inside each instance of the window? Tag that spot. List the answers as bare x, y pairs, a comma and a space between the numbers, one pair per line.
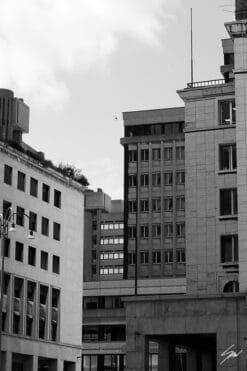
168, 230
231, 286
228, 202
56, 264
94, 240
180, 203
57, 198
44, 226
8, 171
156, 179
33, 187
229, 249
31, 255
144, 255
132, 206
44, 260
94, 225
156, 204
131, 258
168, 204
132, 180
144, 231
168, 154
21, 181
132, 232
144, 155
168, 255
32, 221
228, 157
132, 155
156, 154
46, 193
180, 153
168, 178
227, 112
7, 248
156, 257
56, 231
180, 177
180, 229
156, 230
144, 206
144, 180
20, 216
19, 247
180, 256
6, 209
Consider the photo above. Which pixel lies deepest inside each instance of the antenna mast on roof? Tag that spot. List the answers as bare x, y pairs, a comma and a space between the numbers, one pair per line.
191, 46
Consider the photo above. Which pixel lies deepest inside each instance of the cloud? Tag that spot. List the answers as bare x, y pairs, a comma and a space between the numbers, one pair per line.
43, 40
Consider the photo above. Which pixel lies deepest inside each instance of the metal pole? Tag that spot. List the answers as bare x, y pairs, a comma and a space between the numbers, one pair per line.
191, 46
2, 291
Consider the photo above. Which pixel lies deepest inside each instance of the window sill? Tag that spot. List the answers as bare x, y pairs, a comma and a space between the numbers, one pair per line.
229, 264
229, 171
228, 217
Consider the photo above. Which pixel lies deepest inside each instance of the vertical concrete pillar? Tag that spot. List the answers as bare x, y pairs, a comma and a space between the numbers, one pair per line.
191, 359
164, 356
7, 361
137, 353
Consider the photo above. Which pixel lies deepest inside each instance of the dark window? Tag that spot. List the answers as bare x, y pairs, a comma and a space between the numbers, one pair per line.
232, 286
168, 153
168, 177
132, 155
132, 206
94, 225
228, 58
6, 209
144, 206
20, 216
132, 232
156, 154
228, 157
156, 179
156, 257
7, 248
94, 240
168, 204
132, 180
46, 193
144, 257
180, 177
56, 264
32, 221
168, 255
94, 271
229, 249
33, 187
131, 258
56, 231
144, 231
228, 202
31, 255
156, 205
180, 153
19, 247
45, 226
44, 260
144, 155
156, 230
8, 171
181, 256
57, 198
21, 181
144, 180
227, 112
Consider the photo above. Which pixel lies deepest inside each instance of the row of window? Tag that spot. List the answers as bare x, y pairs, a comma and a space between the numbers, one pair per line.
111, 270
32, 256
33, 186
110, 255
111, 240
111, 225
20, 220
156, 154
145, 257
156, 230
156, 179
156, 204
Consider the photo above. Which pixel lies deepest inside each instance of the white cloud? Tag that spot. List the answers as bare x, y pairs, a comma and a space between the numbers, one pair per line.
42, 39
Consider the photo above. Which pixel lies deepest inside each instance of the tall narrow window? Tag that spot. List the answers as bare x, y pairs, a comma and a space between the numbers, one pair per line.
156, 154
228, 157
168, 204
132, 155
20, 216
56, 231
168, 255
132, 180
144, 255
180, 203
228, 202
8, 171
21, 181
227, 112
168, 178
31, 255
168, 230
44, 260
144, 180
131, 258
19, 247
57, 198
144, 155
56, 264
156, 257
46, 193
144, 206
156, 179
180, 230
132, 206
32, 221
168, 153
33, 187
132, 231
156, 230
180, 177
229, 249
180, 256
144, 231
156, 205
44, 226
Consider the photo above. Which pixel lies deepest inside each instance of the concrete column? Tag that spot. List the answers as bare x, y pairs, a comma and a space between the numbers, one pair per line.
191, 359
137, 353
164, 356
7, 361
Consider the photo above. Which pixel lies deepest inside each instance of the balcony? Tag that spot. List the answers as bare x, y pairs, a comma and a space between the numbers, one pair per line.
30, 309
205, 84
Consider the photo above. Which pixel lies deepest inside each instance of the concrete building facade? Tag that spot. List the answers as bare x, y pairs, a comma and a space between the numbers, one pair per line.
42, 301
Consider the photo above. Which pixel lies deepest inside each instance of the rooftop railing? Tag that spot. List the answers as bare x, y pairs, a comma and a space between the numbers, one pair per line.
202, 84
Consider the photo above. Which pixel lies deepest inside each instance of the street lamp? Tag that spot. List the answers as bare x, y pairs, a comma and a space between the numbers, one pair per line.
7, 225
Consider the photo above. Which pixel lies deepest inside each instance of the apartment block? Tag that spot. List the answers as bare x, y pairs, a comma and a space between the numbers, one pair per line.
42, 292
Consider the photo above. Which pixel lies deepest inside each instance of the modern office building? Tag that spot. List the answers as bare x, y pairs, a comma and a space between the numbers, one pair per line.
42, 288
192, 331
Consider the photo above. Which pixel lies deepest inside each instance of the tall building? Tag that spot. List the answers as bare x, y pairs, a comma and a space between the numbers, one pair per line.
42, 288
204, 329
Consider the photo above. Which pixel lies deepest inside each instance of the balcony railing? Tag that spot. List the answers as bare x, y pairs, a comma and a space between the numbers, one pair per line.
203, 84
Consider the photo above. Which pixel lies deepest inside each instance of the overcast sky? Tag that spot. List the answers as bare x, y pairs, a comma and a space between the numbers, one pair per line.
80, 63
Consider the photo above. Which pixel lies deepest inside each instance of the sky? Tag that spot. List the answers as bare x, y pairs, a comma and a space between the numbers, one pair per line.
79, 64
